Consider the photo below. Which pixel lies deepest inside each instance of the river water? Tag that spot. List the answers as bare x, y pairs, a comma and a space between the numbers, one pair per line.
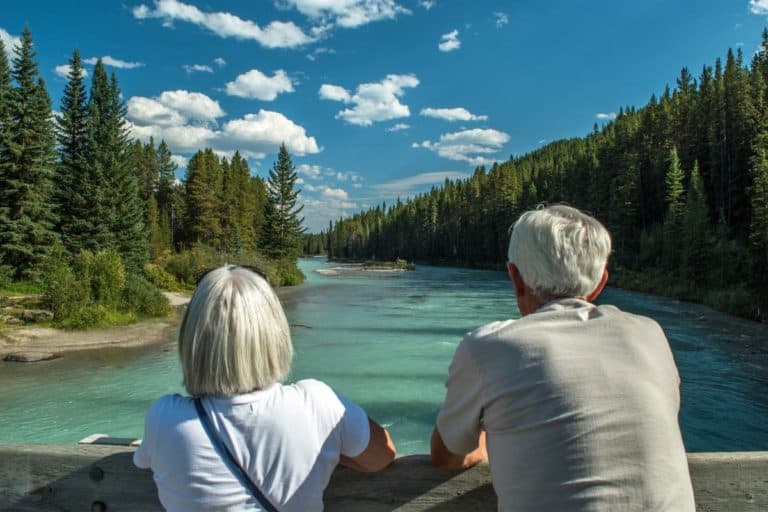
385, 341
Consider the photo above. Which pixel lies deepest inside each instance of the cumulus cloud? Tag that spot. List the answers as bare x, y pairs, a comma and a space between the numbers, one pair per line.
148, 112
115, 63
334, 193
372, 102
197, 68
467, 145
610, 116
398, 127
9, 42
501, 19
220, 62
318, 211
758, 6
194, 105
449, 42
64, 69
427, 4
347, 13
180, 161
313, 172
414, 184
452, 114
265, 131
255, 84
277, 34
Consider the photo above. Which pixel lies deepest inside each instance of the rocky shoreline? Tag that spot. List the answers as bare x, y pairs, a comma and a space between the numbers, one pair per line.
32, 344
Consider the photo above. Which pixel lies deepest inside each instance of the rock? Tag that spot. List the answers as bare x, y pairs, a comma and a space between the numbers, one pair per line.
37, 315
11, 320
29, 357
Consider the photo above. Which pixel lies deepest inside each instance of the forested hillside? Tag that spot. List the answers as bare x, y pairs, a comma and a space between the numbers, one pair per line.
681, 183
84, 208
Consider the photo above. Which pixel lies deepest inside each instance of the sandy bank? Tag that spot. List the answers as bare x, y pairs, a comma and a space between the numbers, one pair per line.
29, 344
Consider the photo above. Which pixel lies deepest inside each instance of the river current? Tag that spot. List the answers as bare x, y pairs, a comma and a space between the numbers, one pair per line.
385, 341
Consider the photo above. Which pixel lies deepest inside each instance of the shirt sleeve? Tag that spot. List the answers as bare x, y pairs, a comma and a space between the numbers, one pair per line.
141, 458
459, 420
355, 430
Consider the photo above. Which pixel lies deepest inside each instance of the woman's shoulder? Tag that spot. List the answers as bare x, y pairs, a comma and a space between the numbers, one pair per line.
313, 387
168, 406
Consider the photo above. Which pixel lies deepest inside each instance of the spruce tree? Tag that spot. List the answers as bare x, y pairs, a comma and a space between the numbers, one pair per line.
72, 192
282, 224
5, 89
758, 235
695, 247
27, 161
203, 188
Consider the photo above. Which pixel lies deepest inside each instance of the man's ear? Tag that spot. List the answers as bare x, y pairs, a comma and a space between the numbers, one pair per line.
596, 292
517, 279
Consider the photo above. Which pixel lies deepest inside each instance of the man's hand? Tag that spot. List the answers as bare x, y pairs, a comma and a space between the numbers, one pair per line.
443, 458
379, 453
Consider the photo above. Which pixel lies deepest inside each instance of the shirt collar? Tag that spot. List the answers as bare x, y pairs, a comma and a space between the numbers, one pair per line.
564, 303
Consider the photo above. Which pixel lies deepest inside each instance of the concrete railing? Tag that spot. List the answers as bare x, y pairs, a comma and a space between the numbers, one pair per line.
103, 478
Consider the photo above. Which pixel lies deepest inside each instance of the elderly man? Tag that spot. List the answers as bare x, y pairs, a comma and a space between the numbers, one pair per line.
578, 402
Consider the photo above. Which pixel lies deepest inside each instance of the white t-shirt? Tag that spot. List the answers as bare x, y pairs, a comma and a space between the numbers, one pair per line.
288, 438
580, 407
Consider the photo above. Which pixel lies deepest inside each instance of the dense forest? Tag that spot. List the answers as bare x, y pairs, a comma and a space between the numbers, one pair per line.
80, 202
681, 183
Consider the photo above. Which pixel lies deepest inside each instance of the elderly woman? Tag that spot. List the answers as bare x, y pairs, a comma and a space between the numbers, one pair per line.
244, 440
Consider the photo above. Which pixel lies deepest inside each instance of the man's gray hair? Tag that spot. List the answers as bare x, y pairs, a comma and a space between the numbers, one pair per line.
234, 337
559, 251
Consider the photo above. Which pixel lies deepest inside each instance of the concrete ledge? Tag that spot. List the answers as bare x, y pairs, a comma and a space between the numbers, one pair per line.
103, 478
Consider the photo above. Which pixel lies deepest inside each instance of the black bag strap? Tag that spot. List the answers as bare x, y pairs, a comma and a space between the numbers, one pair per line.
229, 459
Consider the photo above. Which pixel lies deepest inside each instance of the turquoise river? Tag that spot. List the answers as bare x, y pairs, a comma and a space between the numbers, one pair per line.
385, 340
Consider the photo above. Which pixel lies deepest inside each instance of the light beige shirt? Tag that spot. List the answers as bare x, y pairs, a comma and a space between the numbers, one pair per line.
580, 405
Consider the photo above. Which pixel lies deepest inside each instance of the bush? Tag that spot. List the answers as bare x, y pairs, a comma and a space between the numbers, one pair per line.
105, 273
143, 297
189, 265
64, 291
160, 278
288, 274
85, 317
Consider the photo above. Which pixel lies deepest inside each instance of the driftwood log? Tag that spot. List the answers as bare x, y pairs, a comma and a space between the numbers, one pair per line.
103, 478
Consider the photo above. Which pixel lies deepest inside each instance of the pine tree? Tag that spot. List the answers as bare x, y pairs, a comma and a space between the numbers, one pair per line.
203, 186
758, 235
26, 168
5, 90
675, 206
282, 224
72, 195
695, 247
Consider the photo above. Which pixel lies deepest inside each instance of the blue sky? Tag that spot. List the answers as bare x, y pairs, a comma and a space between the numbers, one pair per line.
377, 99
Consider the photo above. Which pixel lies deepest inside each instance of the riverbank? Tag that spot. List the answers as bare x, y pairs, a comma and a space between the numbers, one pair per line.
33, 344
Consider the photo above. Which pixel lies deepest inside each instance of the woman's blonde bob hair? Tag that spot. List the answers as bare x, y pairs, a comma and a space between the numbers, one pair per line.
234, 337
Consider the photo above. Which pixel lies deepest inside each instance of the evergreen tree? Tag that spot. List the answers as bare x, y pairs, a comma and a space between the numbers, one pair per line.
695, 247
675, 206
203, 185
26, 168
282, 224
5, 91
72, 193
759, 224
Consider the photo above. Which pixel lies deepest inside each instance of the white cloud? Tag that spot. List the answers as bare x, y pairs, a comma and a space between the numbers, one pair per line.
277, 34
220, 62
427, 4
609, 116
180, 139
347, 13
398, 127
467, 145
334, 193
265, 131
9, 42
334, 93
372, 102
313, 172
194, 105
200, 68
64, 69
449, 42
115, 63
319, 51
180, 160
255, 84
452, 114
319, 211
148, 112
413, 184
758, 6
501, 19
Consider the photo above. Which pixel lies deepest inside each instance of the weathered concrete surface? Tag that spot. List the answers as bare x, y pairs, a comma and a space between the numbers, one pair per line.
77, 478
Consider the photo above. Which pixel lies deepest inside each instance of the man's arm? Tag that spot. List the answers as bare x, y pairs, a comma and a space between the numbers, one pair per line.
379, 453
443, 458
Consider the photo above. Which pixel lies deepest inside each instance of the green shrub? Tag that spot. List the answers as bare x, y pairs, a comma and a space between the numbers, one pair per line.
85, 317
288, 274
64, 291
189, 265
6, 275
160, 278
143, 297
105, 273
